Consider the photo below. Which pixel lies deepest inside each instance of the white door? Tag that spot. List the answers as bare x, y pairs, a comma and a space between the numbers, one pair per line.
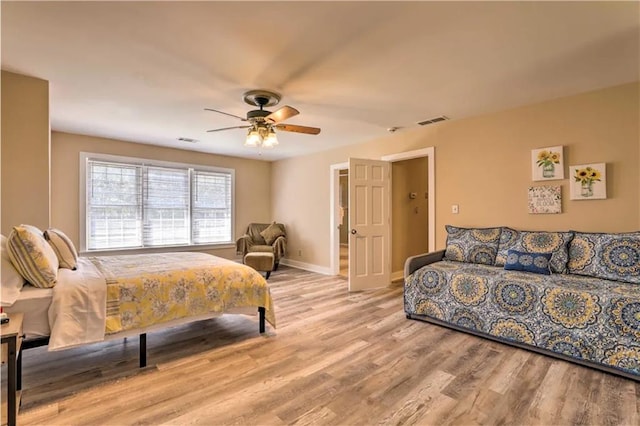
369, 224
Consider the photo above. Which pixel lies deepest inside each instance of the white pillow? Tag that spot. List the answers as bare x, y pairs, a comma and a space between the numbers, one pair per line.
12, 281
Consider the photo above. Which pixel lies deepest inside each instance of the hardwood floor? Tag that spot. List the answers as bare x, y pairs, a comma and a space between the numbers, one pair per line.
344, 260
336, 358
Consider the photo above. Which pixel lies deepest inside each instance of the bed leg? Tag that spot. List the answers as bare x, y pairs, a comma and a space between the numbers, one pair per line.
143, 350
261, 313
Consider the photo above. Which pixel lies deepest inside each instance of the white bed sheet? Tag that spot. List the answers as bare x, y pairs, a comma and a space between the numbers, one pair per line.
77, 314
34, 303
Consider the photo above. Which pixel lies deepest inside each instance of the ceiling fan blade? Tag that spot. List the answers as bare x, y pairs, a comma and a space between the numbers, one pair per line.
228, 128
226, 113
298, 129
281, 114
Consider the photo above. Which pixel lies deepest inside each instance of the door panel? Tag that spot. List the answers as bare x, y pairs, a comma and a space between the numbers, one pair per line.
369, 213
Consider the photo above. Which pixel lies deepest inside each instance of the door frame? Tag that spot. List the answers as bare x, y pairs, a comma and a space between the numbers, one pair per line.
334, 203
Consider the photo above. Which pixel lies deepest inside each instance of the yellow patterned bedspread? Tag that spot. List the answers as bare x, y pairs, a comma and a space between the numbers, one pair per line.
149, 289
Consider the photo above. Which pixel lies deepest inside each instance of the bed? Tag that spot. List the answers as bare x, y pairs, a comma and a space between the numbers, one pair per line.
108, 297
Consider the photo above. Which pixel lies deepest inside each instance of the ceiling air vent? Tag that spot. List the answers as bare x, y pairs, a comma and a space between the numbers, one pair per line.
188, 140
433, 120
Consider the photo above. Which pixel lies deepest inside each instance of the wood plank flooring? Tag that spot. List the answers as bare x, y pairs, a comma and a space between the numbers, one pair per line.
335, 359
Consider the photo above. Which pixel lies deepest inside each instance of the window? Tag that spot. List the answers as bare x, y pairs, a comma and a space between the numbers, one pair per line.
133, 203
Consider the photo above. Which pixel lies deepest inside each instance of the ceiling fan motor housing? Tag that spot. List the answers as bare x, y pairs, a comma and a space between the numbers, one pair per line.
257, 114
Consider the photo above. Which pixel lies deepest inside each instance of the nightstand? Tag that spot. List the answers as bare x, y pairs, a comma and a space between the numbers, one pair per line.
11, 338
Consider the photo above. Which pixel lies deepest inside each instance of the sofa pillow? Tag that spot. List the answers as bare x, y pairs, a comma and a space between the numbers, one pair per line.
556, 243
12, 281
271, 233
472, 245
32, 256
538, 263
609, 256
63, 247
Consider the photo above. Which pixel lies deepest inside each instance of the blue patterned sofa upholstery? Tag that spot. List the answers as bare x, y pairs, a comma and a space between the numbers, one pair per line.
586, 310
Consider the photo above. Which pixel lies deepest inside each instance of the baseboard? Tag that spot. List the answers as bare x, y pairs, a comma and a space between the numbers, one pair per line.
397, 276
306, 266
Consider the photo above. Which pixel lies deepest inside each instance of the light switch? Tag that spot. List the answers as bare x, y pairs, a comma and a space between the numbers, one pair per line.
454, 209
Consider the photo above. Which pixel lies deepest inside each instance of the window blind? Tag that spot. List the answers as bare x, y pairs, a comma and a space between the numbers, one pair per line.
114, 210
140, 205
211, 207
166, 206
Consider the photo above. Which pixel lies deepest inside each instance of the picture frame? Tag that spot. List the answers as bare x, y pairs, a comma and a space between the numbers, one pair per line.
547, 163
588, 181
545, 199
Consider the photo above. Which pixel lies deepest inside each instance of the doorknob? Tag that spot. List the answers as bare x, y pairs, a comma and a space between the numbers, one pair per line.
354, 232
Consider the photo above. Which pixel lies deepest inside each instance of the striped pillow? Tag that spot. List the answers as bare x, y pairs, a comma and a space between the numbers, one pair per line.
32, 256
63, 247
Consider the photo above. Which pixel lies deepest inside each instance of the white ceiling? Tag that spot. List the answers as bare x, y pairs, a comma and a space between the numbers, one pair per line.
144, 71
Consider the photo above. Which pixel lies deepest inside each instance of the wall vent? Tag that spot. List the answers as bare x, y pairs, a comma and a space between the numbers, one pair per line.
433, 120
188, 140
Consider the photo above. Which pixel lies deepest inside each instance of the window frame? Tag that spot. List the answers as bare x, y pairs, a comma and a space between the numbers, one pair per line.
136, 161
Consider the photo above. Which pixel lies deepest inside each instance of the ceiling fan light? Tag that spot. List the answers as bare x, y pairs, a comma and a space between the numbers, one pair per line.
253, 138
270, 140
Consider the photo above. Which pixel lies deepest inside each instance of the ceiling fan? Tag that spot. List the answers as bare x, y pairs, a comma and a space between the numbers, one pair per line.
262, 124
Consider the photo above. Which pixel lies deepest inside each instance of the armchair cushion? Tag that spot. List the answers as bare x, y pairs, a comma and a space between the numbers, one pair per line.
272, 232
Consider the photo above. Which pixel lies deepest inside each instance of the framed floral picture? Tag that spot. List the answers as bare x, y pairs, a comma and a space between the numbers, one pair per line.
588, 182
547, 163
545, 200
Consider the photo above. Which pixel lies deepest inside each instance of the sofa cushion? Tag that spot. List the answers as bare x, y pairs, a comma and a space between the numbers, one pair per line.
609, 256
472, 245
538, 263
555, 243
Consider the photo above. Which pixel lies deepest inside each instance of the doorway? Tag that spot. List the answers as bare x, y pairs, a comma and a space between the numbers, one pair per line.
336, 217
409, 212
344, 222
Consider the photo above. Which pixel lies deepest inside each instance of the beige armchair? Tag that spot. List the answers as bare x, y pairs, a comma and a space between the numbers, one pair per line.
264, 237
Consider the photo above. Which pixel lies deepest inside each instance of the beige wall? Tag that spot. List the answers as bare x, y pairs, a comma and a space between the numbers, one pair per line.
483, 165
409, 230
25, 151
252, 191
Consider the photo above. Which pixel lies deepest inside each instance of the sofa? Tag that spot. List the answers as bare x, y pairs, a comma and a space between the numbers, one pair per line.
573, 295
